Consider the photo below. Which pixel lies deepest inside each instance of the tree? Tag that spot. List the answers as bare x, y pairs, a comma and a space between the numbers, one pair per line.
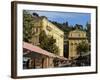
28, 26
35, 14
78, 26
43, 40
88, 31
48, 43
83, 48
83, 51
31, 27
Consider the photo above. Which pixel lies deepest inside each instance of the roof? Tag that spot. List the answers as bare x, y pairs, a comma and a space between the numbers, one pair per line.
77, 30
37, 49
52, 24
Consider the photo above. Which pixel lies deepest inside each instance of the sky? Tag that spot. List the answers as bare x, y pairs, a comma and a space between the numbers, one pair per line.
71, 17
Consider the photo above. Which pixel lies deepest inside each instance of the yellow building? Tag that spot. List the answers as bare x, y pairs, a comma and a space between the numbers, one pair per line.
54, 31
75, 37
36, 57
42, 23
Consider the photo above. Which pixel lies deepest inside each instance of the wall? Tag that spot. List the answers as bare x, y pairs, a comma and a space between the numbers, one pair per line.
56, 33
5, 43
75, 37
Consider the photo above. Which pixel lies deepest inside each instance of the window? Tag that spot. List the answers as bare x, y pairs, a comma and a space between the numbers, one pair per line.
49, 28
72, 44
71, 34
35, 30
75, 43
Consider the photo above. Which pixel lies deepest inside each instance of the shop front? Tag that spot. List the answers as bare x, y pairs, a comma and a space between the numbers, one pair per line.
34, 57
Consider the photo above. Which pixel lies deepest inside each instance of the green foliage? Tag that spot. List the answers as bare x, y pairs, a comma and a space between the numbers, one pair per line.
28, 26
82, 48
78, 26
88, 30
67, 28
48, 43
43, 40
64, 26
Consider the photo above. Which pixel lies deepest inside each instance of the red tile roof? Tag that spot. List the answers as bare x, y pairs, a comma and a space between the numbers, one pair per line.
37, 49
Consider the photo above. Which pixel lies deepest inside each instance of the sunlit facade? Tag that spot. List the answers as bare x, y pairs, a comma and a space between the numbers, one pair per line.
42, 23
54, 31
75, 37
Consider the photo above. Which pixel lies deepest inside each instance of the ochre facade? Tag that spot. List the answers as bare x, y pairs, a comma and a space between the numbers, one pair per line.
75, 37
54, 31
42, 23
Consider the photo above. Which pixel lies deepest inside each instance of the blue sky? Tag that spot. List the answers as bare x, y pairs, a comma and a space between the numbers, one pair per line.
61, 17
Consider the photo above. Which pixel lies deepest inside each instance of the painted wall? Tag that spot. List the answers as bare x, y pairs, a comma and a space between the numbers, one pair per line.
75, 37
56, 33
